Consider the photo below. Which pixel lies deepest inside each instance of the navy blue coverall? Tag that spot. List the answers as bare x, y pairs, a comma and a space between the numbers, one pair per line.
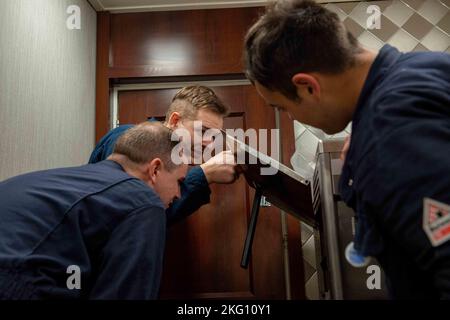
399, 156
96, 217
195, 190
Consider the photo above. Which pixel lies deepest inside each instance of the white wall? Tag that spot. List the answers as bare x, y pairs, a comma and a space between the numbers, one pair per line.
47, 85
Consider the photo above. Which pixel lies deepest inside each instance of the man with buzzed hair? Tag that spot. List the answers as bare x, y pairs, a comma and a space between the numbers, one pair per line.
95, 231
190, 104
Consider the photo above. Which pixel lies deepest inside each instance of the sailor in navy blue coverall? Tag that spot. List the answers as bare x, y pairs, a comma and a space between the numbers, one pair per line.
195, 190
106, 221
399, 156
396, 176
192, 103
97, 217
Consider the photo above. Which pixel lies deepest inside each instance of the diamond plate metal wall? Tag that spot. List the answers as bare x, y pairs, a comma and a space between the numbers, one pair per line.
409, 25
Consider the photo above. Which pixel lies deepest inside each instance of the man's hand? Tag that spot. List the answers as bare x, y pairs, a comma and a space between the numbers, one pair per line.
345, 148
221, 168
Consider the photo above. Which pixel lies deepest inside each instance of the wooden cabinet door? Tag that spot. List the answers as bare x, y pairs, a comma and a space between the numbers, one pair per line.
203, 252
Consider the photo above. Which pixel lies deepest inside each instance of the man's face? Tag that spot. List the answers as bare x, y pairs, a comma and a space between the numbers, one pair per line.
307, 111
209, 120
167, 185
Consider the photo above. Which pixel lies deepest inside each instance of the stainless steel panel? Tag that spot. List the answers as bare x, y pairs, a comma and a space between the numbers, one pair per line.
338, 279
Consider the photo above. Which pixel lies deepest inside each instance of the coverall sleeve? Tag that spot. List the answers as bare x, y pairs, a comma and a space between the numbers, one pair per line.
195, 192
413, 163
131, 261
105, 146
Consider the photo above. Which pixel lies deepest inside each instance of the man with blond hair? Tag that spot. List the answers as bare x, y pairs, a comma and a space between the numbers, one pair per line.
190, 105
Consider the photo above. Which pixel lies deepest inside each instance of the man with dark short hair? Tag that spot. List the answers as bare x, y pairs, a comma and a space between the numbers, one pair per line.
91, 232
396, 175
190, 104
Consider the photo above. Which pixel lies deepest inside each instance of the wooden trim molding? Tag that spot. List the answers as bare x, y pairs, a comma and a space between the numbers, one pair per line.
192, 5
102, 78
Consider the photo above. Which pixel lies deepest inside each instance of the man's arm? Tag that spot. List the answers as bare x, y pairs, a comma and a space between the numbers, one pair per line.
413, 163
131, 261
195, 191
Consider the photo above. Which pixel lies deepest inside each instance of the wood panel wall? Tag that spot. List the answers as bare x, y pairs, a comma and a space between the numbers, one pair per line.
192, 43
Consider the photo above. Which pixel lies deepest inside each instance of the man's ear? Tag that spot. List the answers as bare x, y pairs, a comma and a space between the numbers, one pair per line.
154, 168
174, 120
307, 85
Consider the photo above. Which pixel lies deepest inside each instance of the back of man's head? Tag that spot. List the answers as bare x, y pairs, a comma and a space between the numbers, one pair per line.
145, 142
189, 100
296, 36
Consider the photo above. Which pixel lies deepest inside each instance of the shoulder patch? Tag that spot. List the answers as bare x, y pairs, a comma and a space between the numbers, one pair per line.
436, 221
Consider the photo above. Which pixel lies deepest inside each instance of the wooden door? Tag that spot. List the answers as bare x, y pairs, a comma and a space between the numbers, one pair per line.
203, 252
